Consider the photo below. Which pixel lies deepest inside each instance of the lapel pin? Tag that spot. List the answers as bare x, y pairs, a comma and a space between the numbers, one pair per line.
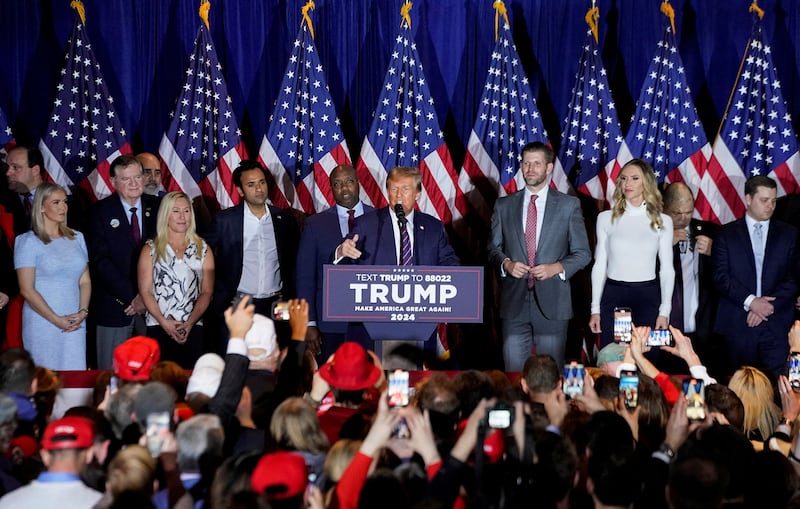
114, 223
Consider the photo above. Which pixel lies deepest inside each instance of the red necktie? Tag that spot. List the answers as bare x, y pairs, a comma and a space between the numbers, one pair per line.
530, 236
351, 218
27, 204
137, 234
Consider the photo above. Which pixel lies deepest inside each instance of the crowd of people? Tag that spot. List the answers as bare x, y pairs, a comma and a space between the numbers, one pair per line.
295, 413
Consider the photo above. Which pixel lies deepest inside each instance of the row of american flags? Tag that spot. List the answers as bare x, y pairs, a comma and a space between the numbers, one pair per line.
304, 140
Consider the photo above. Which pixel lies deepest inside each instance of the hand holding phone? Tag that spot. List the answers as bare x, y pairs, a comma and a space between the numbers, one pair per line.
238, 298
623, 325
659, 338
398, 392
158, 425
629, 389
573, 379
695, 395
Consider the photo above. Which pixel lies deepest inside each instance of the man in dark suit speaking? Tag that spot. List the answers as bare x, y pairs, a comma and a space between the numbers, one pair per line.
399, 235
754, 262
538, 242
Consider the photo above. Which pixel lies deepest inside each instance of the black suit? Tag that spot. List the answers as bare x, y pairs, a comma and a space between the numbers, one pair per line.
225, 235
114, 255
707, 294
113, 259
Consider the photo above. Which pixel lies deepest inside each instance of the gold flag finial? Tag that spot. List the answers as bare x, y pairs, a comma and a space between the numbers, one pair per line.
306, 18
78, 6
499, 10
669, 11
205, 6
405, 13
593, 20
755, 8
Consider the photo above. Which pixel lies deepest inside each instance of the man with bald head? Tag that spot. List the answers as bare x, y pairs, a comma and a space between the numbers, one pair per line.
694, 298
151, 171
321, 234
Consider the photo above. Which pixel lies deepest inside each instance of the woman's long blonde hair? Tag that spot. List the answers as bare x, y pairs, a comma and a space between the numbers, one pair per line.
755, 390
652, 197
43, 192
161, 240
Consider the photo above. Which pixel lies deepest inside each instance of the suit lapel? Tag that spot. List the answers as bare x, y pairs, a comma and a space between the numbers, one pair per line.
744, 238
517, 211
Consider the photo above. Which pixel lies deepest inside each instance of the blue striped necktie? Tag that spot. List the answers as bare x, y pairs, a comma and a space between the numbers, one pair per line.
406, 256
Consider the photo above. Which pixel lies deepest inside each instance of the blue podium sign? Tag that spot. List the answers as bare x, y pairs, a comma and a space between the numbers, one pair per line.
391, 293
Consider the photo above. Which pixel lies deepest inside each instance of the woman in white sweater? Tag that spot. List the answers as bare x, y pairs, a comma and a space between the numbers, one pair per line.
630, 238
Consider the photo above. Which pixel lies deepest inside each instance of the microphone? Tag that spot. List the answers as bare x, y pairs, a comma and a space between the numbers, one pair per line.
401, 214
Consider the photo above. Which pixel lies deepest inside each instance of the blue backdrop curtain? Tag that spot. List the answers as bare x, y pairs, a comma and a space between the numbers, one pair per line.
143, 48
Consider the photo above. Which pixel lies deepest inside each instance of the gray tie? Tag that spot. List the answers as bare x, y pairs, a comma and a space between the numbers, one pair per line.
758, 252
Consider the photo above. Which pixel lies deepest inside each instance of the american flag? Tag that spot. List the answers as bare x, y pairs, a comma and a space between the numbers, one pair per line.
405, 132
508, 118
6, 136
592, 136
756, 137
84, 133
304, 142
203, 144
665, 130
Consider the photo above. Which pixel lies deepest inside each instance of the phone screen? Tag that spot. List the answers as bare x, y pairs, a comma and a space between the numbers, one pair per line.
280, 311
573, 379
622, 325
794, 371
398, 388
660, 337
694, 392
629, 389
157, 427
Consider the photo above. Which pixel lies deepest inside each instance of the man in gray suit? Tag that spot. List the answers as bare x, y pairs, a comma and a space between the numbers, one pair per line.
538, 242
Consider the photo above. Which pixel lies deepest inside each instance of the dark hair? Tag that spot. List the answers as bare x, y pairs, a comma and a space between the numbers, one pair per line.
246, 165
753, 183
720, 398
541, 373
35, 157
471, 387
17, 371
123, 161
607, 387
538, 146
696, 482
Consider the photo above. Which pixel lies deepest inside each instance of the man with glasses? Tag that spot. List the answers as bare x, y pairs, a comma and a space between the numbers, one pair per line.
151, 167
120, 225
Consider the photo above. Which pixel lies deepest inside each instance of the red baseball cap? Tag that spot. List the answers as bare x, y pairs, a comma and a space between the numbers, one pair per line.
68, 433
280, 475
134, 359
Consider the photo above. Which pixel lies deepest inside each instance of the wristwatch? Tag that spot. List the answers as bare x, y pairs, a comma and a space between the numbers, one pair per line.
667, 450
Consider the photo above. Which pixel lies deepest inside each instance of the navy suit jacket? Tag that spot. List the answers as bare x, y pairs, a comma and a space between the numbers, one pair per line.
225, 235
114, 255
321, 235
735, 277
377, 246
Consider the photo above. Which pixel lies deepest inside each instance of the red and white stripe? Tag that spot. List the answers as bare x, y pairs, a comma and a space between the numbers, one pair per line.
97, 183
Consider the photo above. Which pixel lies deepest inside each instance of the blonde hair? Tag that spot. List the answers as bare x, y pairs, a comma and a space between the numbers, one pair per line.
652, 197
43, 192
160, 242
339, 457
295, 426
132, 469
755, 390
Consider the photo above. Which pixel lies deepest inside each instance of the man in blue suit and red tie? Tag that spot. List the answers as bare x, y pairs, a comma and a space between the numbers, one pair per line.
754, 262
321, 234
